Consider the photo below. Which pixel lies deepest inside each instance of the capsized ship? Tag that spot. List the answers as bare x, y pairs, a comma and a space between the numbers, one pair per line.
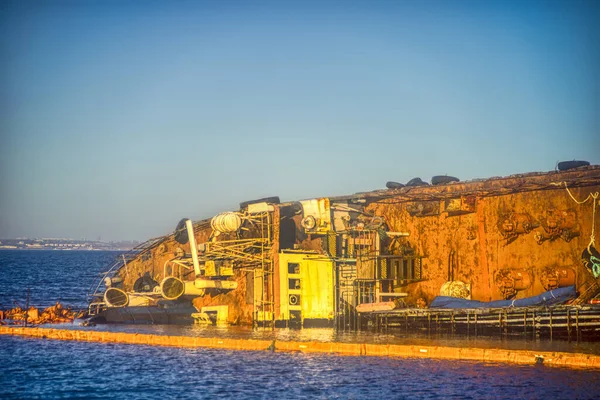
398, 257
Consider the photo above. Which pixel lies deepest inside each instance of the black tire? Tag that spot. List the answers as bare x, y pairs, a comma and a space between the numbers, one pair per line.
394, 185
272, 200
416, 182
181, 235
567, 165
443, 179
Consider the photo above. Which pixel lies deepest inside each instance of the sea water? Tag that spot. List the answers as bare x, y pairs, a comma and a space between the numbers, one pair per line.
37, 368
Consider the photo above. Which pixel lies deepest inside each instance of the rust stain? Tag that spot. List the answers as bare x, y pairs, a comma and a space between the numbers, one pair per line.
465, 231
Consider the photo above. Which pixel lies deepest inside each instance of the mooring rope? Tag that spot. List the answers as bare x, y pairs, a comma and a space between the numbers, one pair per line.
593, 196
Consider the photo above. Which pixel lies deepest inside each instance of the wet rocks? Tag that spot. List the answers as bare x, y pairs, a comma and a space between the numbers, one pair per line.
51, 315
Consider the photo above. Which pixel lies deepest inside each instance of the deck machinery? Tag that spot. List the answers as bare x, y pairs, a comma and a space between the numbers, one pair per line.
342, 261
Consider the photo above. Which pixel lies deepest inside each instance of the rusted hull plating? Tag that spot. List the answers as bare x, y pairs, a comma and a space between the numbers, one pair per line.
323, 260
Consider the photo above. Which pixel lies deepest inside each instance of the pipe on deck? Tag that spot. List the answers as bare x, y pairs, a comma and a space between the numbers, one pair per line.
173, 288
114, 297
193, 248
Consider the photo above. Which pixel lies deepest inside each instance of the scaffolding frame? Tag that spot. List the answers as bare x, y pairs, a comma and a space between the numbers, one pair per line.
387, 273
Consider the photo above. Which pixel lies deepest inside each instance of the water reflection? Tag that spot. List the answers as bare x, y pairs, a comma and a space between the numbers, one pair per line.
331, 335
41, 369
20, 270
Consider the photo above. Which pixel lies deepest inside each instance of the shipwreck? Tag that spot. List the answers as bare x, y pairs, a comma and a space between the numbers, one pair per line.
498, 255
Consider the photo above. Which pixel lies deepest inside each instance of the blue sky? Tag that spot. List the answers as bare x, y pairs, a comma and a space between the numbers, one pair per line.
120, 118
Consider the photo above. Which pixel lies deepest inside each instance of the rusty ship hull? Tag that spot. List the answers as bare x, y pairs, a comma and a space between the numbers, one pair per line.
363, 259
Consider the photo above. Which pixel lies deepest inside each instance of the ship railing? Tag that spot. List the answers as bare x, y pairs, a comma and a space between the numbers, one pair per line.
560, 321
174, 267
96, 308
95, 291
376, 290
588, 293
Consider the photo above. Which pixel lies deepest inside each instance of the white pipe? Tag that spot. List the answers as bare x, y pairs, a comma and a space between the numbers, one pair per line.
114, 297
173, 288
210, 284
193, 248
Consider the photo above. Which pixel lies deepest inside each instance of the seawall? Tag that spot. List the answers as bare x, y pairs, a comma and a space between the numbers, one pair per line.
561, 359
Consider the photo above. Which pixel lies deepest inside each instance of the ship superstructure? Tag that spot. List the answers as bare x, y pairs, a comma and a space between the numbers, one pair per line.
346, 261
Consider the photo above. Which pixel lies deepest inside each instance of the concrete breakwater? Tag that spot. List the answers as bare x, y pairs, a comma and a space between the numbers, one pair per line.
563, 359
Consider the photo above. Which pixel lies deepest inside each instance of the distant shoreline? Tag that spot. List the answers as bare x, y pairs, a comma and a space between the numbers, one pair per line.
64, 250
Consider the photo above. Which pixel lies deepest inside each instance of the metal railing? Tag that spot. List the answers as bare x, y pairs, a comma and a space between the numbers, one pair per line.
96, 288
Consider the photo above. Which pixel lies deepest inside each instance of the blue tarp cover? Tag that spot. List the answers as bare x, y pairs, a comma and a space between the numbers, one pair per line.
556, 296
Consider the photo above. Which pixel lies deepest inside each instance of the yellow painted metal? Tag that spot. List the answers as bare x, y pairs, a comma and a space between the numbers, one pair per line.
221, 313
210, 268
314, 273
226, 270
332, 243
317, 289
264, 316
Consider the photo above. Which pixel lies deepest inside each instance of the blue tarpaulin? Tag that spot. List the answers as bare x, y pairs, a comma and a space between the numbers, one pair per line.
556, 296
